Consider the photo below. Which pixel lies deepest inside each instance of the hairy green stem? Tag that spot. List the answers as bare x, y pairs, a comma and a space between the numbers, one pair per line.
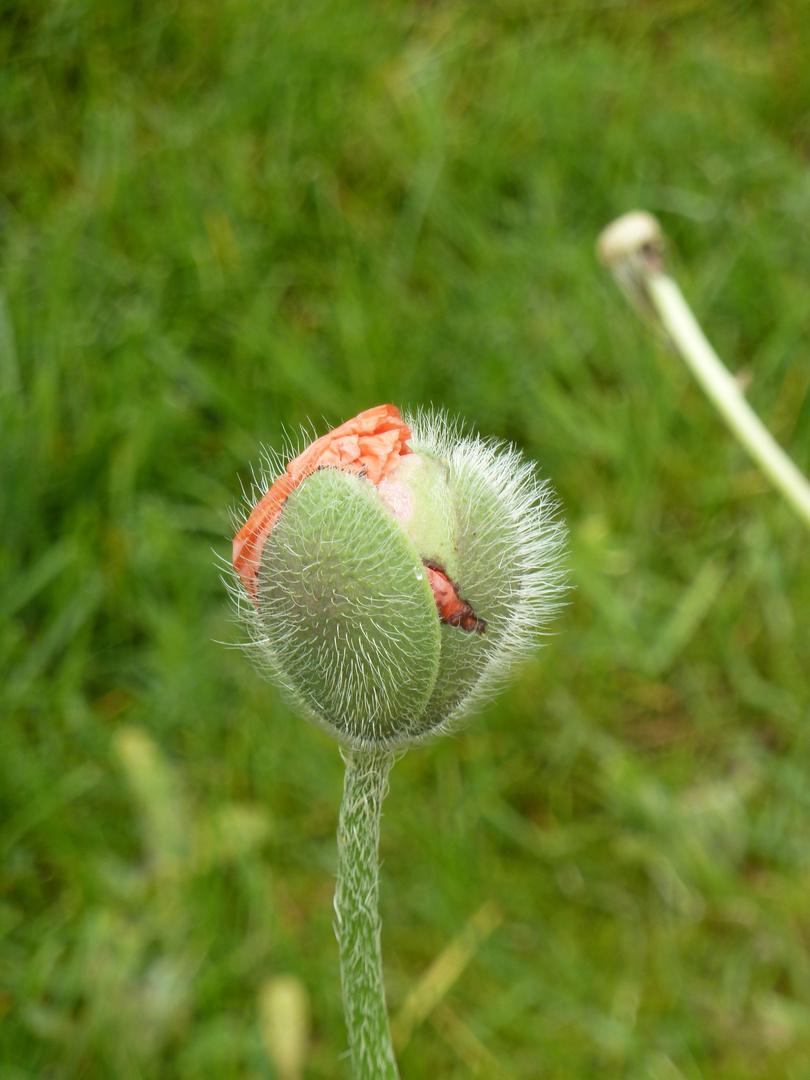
358, 919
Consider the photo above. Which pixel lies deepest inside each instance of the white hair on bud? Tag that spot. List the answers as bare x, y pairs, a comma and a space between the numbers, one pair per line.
519, 565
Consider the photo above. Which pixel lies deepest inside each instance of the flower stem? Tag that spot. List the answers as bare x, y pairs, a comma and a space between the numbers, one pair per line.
632, 247
358, 919
725, 393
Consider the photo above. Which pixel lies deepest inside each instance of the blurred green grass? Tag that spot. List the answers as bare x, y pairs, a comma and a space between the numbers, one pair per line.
219, 221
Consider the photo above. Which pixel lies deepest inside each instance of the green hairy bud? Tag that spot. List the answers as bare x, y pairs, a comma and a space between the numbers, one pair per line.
389, 596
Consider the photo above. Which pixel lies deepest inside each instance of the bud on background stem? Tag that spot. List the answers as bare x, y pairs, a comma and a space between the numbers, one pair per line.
632, 247
395, 572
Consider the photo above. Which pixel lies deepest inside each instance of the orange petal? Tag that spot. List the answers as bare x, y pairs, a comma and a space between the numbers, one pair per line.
452, 609
370, 443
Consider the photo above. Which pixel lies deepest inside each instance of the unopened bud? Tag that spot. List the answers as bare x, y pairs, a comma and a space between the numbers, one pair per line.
395, 573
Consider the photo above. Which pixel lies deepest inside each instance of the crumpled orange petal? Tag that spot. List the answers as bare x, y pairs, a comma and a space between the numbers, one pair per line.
371, 443
452, 609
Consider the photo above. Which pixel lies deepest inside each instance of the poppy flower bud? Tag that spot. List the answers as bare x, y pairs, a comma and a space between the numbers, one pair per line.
394, 573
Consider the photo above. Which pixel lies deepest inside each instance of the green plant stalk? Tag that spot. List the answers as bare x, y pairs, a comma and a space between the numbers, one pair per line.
725, 393
358, 919
633, 248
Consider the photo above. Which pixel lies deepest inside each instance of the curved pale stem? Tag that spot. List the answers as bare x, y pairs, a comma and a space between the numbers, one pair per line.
358, 920
632, 246
724, 391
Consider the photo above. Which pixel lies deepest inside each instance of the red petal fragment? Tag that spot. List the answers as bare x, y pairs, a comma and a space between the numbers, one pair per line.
452, 609
371, 443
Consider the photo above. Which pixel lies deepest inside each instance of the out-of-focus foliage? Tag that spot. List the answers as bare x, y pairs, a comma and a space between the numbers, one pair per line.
221, 220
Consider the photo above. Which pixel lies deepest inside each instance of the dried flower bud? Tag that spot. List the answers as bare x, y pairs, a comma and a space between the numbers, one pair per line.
632, 247
395, 572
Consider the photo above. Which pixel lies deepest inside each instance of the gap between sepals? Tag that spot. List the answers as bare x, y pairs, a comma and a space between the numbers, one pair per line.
453, 610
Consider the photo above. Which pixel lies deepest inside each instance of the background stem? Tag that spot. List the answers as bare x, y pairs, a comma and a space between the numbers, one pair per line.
358, 919
724, 392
